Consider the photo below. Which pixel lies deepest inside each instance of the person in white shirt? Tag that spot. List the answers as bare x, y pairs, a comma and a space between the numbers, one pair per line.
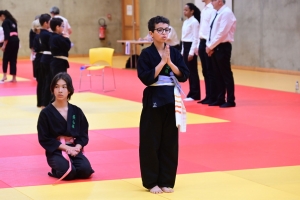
172, 39
67, 28
190, 42
208, 73
221, 35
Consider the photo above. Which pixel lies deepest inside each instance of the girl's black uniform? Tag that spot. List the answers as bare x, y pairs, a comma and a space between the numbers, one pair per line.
10, 54
50, 126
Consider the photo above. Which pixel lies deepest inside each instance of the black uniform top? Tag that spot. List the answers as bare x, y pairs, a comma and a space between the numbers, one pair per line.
9, 27
155, 96
36, 44
31, 38
51, 124
37, 47
59, 45
44, 41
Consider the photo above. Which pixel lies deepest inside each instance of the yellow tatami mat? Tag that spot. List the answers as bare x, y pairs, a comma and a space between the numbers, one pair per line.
9, 77
255, 184
102, 112
274, 81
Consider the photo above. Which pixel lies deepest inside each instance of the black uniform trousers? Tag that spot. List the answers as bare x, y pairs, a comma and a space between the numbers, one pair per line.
194, 80
39, 78
223, 74
208, 73
34, 70
47, 76
158, 148
58, 65
81, 167
10, 56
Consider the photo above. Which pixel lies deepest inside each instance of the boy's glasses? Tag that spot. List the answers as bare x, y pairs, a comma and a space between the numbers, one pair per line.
161, 30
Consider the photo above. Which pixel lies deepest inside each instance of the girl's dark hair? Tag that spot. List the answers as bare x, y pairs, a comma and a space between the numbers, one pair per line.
67, 78
55, 22
156, 20
7, 15
44, 18
197, 12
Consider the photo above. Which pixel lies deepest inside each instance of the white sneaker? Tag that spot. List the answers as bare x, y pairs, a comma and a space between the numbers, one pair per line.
188, 99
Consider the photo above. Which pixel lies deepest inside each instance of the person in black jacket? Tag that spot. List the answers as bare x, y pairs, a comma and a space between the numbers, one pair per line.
63, 133
59, 47
36, 48
10, 45
46, 57
160, 67
32, 34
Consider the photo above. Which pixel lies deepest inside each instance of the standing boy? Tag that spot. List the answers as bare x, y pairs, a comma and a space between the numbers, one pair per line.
159, 67
36, 48
59, 46
46, 57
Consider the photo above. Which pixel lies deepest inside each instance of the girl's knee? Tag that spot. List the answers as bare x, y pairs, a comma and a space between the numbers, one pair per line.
84, 172
71, 175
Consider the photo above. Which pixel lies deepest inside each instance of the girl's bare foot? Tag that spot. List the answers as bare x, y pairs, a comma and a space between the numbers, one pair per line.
3, 79
167, 189
13, 80
156, 190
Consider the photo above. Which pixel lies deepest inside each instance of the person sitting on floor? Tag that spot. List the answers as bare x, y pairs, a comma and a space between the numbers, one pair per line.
63, 133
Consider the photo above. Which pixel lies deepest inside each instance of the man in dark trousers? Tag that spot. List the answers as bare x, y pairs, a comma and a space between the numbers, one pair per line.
207, 13
222, 28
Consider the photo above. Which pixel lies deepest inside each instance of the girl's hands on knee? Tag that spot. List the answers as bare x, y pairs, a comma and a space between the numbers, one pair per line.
73, 151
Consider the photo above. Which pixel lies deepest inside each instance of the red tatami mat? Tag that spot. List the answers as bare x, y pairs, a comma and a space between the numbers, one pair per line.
114, 153
263, 131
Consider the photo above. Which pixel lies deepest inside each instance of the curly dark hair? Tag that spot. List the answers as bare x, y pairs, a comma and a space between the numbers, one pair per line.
157, 20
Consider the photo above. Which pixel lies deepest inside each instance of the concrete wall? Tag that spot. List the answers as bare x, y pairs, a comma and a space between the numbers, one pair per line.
171, 9
82, 15
268, 34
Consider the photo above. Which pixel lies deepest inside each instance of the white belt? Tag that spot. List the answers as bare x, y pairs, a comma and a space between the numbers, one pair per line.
61, 57
163, 80
162, 84
180, 110
47, 52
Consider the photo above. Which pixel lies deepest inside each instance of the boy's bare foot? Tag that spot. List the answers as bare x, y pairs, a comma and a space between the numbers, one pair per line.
156, 190
167, 189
